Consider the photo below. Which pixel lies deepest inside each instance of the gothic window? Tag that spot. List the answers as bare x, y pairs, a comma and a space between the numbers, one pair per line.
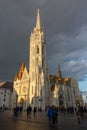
37, 50
4, 99
32, 101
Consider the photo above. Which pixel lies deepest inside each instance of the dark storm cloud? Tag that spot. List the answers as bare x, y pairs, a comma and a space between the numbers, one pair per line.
65, 27
66, 15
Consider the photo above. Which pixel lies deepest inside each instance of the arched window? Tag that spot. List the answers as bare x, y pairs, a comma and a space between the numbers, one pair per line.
32, 101
37, 50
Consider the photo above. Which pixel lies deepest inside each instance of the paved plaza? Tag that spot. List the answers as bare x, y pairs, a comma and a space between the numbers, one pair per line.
40, 122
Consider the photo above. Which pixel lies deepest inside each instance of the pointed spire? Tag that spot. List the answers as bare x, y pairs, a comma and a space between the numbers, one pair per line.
16, 77
21, 70
22, 67
38, 25
59, 72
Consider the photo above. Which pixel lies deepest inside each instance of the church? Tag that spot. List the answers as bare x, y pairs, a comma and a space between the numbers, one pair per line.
34, 86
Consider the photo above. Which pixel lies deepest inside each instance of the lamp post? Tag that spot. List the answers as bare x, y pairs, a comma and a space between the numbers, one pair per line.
16, 99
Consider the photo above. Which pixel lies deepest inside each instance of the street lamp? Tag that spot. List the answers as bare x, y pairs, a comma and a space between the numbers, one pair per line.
16, 99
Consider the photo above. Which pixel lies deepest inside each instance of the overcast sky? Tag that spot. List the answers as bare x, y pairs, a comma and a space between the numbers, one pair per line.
65, 28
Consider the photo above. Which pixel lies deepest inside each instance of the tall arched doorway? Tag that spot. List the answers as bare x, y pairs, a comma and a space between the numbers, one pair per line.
21, 102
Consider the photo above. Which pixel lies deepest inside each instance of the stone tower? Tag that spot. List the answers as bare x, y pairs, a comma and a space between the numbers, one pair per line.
38, 67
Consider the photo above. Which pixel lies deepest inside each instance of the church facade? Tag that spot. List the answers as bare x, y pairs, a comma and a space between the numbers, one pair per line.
31, 87
34, 86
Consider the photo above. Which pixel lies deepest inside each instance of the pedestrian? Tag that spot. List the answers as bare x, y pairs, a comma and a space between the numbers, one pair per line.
35, 109
78, 117
15, 112
27, 112
50, 113
30, 110
21, 109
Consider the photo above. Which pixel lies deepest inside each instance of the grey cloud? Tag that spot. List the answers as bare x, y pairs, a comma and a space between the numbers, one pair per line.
66, 16
65, 27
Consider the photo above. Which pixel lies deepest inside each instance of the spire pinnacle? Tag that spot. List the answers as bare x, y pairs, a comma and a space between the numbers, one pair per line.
59, 72
38, 25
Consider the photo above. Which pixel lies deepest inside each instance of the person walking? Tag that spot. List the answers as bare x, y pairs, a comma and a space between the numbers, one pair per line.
34, 111
29, 109
50, 114
78, 117
27, 112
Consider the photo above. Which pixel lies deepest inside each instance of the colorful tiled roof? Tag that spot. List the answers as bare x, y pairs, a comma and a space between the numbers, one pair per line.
54, 78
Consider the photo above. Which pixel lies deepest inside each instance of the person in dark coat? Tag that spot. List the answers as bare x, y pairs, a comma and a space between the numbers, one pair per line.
35, 109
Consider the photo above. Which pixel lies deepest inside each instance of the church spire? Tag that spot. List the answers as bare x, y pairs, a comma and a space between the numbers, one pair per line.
38, 24
59, 72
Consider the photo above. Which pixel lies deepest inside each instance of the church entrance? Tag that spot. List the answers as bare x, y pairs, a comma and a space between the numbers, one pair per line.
21, 102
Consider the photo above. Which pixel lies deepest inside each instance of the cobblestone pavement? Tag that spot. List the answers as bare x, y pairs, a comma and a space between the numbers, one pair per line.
40, 122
